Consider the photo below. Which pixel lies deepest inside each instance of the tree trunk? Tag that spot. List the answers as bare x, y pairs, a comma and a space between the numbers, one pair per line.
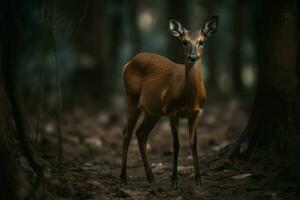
116, 39
135, 39
272, 129
92, 42
9, 171
9, 46
237, 48
12, 119
297, 114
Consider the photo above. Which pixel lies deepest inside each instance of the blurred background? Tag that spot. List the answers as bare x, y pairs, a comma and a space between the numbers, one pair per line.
62, 99
89, 41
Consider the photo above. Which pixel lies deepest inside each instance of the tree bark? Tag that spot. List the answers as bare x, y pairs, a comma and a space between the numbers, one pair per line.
237, 48
13, 126
272, 128
92, 43
9, 171
297, 114
135, 39
115, 38
8, 63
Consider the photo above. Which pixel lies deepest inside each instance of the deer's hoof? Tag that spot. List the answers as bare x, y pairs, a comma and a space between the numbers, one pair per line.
123, 179
198, 180
175, 185
151, 178
174, 182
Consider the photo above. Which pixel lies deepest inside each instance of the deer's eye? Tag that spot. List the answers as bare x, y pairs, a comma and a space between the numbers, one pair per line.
185, 43
200, 43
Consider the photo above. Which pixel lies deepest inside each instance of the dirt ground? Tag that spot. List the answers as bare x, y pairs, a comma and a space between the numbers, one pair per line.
92, 159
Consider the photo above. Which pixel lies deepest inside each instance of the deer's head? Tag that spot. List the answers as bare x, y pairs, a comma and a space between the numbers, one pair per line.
193, 42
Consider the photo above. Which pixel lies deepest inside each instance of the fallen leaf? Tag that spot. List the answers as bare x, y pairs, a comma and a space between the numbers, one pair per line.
241, 176
158, 167
185, 169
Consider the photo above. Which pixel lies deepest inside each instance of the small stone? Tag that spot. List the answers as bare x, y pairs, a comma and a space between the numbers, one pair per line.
49, 128
93, 141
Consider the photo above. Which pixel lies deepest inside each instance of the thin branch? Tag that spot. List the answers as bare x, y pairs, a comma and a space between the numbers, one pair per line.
37, 128
81, 19
42, 95
50, 26
59, 98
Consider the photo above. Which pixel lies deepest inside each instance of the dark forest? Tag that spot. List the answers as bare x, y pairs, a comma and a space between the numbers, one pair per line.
148, 99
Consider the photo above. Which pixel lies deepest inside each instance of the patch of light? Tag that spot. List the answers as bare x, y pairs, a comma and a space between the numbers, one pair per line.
225, 82
86, 61
248, 75
145, 20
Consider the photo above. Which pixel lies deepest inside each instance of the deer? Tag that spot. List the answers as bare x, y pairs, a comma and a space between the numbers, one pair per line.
157, 87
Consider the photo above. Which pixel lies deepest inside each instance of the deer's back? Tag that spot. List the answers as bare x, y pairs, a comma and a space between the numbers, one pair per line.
147, 76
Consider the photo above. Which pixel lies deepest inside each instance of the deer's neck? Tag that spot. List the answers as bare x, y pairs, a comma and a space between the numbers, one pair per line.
193, 77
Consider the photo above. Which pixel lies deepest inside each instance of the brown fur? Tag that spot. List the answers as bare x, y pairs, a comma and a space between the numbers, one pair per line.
160, 87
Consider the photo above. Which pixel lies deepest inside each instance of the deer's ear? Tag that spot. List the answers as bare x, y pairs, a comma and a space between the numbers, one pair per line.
175, 28
210, 27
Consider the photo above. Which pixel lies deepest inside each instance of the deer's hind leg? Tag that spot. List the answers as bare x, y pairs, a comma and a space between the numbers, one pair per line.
133, 113
142, 134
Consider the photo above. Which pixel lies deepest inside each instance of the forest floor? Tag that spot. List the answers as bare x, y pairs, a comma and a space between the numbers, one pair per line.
92, 159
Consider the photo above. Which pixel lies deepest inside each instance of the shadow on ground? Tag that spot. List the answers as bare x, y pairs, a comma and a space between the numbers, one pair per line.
92, 159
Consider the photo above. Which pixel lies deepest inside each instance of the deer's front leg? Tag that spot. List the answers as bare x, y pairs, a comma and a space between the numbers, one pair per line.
193, 120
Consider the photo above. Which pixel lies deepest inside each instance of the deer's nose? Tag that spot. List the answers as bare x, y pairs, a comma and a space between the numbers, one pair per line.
193, 57
193, 54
